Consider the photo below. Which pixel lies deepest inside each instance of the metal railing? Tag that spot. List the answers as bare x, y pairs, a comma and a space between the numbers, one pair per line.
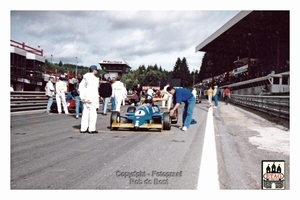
31, 100
27, 100
274, 105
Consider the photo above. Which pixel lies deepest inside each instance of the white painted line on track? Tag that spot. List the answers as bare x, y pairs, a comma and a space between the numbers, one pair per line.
208, 175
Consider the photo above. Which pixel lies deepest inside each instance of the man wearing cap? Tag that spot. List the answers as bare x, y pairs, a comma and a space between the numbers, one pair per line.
49, 91
61, 88
89, 95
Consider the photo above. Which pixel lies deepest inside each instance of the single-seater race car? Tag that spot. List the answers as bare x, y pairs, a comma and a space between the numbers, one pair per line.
147, 116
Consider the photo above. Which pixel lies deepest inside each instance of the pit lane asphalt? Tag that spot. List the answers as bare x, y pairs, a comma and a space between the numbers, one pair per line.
48, 152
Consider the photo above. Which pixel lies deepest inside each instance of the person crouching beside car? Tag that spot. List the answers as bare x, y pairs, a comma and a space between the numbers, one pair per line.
183, 95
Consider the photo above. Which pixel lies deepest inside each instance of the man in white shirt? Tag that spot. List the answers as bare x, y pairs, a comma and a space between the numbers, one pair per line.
150, 92
49, 91
194, 92
89, 95
118, 93
61, 88
167, 95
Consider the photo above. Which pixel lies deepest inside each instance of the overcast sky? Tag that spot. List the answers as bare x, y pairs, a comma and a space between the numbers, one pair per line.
138, 37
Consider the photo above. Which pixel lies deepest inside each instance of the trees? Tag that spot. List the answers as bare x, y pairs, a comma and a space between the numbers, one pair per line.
64, 68
155, 76
152, 75
182, 72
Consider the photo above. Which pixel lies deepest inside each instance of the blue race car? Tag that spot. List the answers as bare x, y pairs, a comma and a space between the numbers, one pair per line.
147, 116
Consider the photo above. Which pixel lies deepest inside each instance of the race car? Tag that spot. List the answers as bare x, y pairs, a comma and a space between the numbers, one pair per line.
70, 105
147, 116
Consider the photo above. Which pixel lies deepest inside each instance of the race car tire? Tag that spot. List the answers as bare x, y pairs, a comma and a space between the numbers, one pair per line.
166, 123
174, 118
131, 109
115, 115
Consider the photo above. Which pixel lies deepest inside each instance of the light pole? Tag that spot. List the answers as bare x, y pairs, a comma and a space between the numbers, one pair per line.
76, 67
51, 61
193, 77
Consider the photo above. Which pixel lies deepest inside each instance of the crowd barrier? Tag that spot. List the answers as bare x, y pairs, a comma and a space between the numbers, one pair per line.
30, 100
27, 100
274, 105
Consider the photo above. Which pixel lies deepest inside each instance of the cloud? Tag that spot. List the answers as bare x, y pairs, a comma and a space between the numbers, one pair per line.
138, 37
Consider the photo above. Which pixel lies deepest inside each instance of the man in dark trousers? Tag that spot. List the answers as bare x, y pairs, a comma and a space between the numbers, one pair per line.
183, 95
105, 93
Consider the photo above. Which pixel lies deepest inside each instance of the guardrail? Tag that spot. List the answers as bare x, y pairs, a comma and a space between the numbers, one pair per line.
275, 105
27, 100
30, 100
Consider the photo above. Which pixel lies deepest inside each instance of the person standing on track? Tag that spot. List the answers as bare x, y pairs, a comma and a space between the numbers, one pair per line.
209, 94
183, 95
78, 102
61, 88
89, 95
226, 95
216, 96
168, 96
118, 93
105, 94
50, 94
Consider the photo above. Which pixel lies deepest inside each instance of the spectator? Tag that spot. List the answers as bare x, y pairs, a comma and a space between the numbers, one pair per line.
226, 95
183, 95
139, 90
168, 96
216, 96
78, 102
112, 99
49, 90
12, 87
61, 88
69, 96
105, 94
264, 90
118, 93
194, 92
135, 99
209, 94
124, 98
150, 92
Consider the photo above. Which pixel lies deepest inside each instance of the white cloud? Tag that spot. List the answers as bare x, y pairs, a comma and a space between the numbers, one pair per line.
138, 37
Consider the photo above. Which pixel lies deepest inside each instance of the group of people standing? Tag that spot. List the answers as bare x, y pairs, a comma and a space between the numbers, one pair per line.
59, 92
86, 94
214, 94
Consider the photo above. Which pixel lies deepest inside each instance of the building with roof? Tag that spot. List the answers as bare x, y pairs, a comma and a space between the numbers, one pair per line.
261, 34
114, 68
26, 67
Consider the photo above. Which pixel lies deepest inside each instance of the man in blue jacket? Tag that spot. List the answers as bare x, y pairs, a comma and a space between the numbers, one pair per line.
183, 95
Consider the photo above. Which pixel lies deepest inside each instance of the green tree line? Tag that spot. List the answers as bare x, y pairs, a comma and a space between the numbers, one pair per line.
154, 75
64, 68
146, 76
